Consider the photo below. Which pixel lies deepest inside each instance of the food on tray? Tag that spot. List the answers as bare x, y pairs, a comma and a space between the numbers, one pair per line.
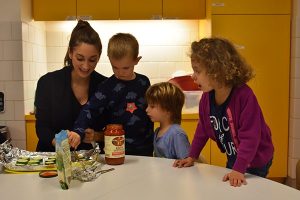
21, 162
35, 161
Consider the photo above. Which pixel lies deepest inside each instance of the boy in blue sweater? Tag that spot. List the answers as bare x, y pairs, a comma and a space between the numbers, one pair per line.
121, 98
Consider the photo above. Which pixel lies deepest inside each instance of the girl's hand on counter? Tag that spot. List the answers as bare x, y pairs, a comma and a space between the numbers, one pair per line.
187, 162
235, 178
74, 139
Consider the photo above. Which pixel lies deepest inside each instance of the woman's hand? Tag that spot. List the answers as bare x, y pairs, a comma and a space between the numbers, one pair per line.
235, 178
53, 142
187, 162
89, 136
93, 136
74, 139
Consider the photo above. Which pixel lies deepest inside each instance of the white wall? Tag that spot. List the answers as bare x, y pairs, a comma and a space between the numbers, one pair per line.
10, 10
164, 44
294, 132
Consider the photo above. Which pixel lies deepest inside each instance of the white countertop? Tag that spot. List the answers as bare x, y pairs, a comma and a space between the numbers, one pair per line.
146, 178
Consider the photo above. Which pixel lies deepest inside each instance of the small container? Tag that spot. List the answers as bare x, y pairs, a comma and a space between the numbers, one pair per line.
114, 137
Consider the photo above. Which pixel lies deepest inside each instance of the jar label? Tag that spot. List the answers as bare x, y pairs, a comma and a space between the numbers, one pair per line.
114, 146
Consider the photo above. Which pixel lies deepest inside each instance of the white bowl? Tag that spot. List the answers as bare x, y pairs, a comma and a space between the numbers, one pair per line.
192, 99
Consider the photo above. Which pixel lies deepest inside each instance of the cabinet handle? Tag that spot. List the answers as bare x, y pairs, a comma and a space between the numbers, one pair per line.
156, 17
71, 17
85, 17
220, 4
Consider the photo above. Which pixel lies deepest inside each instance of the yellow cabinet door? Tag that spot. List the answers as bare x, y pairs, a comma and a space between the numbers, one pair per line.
188, 9
251, 6
54, 10
98, 9
31, 138
264, 41
189, 124
137, 9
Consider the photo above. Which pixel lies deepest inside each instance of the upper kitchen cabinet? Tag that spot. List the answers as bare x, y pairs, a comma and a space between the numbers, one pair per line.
250, 6
188, 9
54, 10
58, 10
98, 9
137, 9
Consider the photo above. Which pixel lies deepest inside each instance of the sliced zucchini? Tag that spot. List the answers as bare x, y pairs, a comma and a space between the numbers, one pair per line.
20, 164
22, 161
49, 163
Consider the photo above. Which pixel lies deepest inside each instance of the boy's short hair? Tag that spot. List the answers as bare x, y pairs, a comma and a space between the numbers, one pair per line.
121, 45
169, 97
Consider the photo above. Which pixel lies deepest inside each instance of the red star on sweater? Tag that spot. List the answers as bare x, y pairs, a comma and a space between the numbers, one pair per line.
131, 107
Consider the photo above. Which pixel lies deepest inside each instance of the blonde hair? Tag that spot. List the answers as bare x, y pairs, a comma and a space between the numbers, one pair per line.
121, 45
221, 61
169, 97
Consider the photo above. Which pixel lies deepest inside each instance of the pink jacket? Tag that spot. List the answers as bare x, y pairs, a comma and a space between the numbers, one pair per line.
250, 133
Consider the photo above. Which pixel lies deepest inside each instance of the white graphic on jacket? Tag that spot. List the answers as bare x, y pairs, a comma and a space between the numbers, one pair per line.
221, 128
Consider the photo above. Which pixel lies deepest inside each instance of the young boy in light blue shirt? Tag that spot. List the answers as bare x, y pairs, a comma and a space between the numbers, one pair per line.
165, 102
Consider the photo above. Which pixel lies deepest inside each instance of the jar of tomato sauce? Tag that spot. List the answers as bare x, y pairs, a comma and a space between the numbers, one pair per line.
114, 137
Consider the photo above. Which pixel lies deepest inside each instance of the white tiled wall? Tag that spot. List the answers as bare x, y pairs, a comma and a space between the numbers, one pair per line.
172, 37
294, 127
22, 62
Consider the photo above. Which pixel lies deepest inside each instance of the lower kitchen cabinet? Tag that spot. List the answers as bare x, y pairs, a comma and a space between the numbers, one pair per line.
189, 123
31, 138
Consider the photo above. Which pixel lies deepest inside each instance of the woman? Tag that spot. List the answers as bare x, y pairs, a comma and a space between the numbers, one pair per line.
61, 94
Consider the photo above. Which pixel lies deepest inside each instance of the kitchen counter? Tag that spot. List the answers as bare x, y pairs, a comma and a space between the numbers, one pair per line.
147, 178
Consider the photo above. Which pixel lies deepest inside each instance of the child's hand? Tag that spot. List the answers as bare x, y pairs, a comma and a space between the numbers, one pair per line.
187, 162
89, 135
235, 178
74, 139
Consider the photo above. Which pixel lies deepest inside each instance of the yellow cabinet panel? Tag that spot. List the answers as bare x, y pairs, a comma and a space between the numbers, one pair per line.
31, 138
137, 9
98, 9
189, 123
188, 9
251, 6
264, 40
216, 157
54, 10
